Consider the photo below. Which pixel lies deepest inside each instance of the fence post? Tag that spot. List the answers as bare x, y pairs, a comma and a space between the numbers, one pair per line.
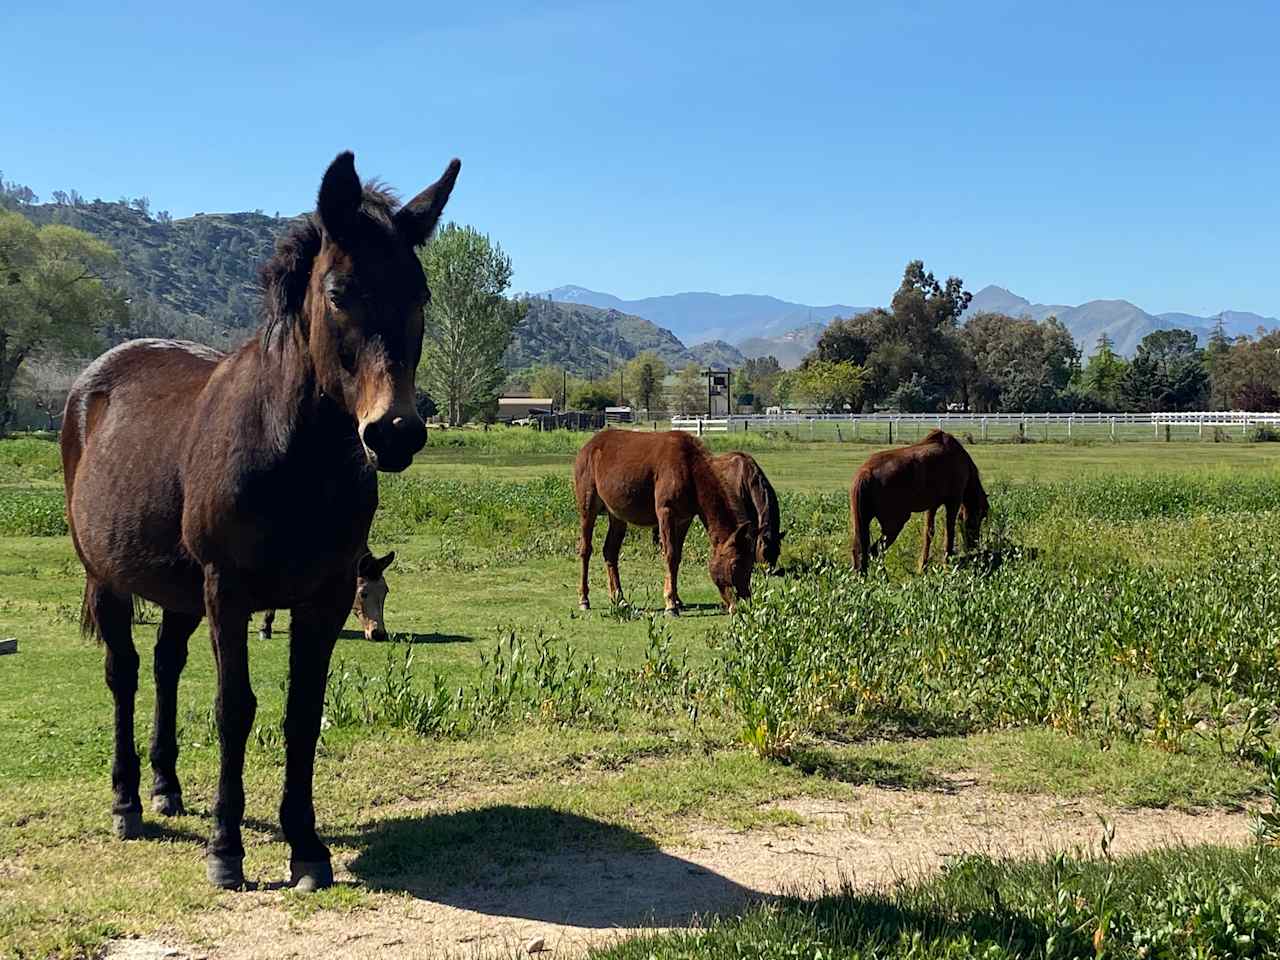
984, 428
1113, 429
855, 428
1070, 421
890, 431
811, 428
1201, 427
699, 426
1156, 424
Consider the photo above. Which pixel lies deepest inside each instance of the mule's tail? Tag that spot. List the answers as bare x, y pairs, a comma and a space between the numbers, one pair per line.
861, 510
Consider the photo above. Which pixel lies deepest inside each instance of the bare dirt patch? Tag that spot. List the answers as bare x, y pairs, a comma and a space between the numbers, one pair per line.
574, 899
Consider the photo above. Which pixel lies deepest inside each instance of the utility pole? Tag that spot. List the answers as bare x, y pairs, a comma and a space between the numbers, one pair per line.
620, 400
564, 391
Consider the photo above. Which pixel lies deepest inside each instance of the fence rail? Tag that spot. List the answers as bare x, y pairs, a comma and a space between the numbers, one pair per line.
871, 426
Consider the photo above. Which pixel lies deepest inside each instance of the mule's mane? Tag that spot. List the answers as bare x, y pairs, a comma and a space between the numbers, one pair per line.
284, 277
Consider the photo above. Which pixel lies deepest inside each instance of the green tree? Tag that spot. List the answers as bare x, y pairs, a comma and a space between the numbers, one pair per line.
644, 374
830, 385
593, 396
1103, 375
53, 298
1016, 364
1247, 375
762, 374
1168, 372
689, 396
548, 380
469, 323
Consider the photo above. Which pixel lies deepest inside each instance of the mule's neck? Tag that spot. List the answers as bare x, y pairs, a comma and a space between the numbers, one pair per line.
713, 505
296, 411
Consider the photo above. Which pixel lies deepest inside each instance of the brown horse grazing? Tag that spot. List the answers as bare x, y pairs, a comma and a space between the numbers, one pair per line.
894, 484
754, 501
370, 601
662, 480
217, 485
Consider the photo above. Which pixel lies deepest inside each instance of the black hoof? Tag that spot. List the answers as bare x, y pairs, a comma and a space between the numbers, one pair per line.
264, 634
308, 876
225, 872
168, 804
584, 605
128, 826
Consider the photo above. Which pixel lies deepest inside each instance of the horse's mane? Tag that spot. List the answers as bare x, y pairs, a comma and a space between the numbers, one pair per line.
284, 277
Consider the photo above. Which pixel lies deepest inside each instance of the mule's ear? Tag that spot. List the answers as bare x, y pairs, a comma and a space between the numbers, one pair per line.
380, 565
366, 567
340, 196
418, 218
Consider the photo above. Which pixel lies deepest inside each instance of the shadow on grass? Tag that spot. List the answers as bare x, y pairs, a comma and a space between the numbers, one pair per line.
406, 637
863, 771
540, 864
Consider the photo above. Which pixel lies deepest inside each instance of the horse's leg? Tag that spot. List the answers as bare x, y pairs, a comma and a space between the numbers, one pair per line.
234, 708
312, 634
588, 520
170, 657
612, 549
678, 533
113, 617
927, 540
268, 621
890, 527
671, 550
949, 544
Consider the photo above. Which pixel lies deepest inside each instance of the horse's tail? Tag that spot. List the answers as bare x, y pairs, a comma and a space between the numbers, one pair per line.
861, 510
89, 628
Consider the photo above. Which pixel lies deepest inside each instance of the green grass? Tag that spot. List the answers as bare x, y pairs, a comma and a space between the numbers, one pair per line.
1203, 902
615, 725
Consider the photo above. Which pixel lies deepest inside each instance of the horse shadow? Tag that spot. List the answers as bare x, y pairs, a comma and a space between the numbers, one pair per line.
537, 863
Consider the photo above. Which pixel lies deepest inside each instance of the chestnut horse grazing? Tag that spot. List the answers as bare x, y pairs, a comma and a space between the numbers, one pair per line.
370, 601
746, 484
662, 480
754, 501
218, 485
893, 484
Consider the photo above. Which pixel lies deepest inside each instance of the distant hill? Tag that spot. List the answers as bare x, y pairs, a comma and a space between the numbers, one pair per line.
717, 353
1125, 323
697, 317
788, 348
588, 340
195, 277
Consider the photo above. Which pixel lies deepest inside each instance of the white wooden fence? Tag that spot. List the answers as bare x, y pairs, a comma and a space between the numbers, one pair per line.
984, 425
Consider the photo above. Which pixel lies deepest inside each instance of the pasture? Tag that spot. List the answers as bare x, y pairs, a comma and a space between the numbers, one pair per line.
988, 761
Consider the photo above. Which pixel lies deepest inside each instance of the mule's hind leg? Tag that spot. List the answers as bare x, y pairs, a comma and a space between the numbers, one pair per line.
112, 617
612, 550
170, 658
313, 631
678, 532
926, 544
268, 621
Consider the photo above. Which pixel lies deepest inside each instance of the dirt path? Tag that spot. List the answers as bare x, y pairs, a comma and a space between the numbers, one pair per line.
571, 901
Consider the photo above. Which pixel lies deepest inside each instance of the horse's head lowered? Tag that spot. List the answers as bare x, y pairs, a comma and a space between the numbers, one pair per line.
363, 306
731, 563
973, 510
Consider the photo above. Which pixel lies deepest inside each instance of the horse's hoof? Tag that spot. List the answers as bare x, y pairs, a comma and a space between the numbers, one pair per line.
673, 611
308, 876
225, 872
584, 605
264, 634
128, 826
168, 804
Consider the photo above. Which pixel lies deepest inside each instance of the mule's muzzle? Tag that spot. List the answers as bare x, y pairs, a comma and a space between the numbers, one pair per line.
378, 635
393, 439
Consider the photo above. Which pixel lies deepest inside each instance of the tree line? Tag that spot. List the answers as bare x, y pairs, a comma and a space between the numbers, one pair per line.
917, 356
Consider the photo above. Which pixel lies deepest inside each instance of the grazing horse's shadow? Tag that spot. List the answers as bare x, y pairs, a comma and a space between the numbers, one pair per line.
540, 864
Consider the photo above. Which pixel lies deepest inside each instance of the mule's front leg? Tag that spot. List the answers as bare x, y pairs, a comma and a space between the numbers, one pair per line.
234, 707
927, 545
311, 638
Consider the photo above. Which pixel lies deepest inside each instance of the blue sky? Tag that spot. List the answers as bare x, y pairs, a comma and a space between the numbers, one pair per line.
1068, 150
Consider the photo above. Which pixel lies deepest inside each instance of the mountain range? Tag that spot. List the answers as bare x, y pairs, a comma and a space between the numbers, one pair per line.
758, 326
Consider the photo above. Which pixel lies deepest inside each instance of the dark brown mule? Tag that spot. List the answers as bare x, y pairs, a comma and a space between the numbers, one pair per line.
662, 480
754, 501
217, 485
370, 603
893, 484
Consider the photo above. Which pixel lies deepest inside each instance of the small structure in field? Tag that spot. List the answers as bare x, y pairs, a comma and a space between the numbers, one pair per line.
618, 415
522, 408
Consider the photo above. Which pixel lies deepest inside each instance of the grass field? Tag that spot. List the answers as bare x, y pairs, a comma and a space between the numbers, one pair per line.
1126, 653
